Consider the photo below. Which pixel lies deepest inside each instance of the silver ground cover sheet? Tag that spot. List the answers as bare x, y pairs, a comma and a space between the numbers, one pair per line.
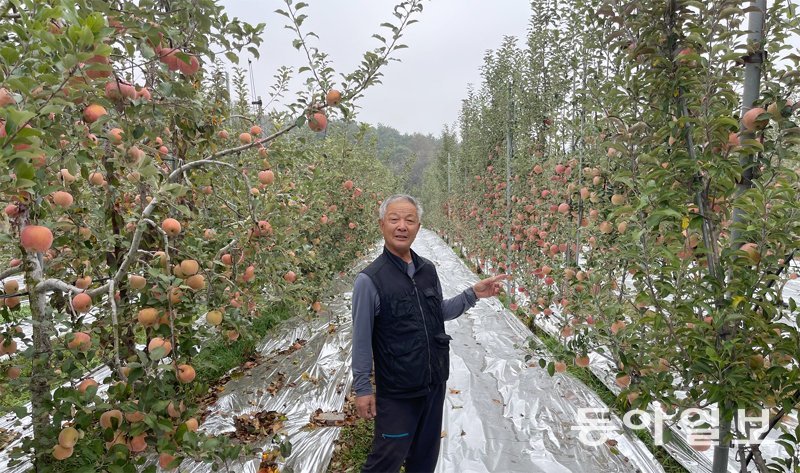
500, 415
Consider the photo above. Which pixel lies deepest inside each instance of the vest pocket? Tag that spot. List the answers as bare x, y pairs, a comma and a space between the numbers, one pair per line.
434, 302
442, 346
408, 356
403, 316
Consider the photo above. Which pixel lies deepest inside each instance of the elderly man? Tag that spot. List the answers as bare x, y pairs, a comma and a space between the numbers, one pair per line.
398, 322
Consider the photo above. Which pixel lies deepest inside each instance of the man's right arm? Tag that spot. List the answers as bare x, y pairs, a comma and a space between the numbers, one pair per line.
365, 296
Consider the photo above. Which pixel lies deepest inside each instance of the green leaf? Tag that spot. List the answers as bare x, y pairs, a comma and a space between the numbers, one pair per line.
751, 143
20, 411
711, 354
232, 57
11, 55
551, 368
146, 50
730, 11
286, 449
165, 88
85, 469
300, 121
25, 171
158, 352
184, 209
667, 436
138, 132
173, 188
17, 118
87, 37
25, 183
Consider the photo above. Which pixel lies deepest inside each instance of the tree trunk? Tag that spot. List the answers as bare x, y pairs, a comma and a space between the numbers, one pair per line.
42, 352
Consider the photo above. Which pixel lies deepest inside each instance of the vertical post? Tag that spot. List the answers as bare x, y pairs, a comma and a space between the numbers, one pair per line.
464, 167
509, 152
228, 88
752, 88
448, 188
448, 174
581, 152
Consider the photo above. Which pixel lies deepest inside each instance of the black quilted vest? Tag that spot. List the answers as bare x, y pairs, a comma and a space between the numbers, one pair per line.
409, 346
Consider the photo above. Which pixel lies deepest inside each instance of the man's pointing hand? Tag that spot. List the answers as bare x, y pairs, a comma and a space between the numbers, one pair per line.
489, 287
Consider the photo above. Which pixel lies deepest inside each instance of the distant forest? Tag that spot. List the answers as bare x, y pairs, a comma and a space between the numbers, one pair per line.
407, 155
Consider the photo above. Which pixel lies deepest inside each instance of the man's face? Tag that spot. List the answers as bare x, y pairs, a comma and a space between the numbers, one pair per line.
400, 226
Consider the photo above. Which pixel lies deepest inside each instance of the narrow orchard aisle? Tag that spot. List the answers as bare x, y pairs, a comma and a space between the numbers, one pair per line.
501, 415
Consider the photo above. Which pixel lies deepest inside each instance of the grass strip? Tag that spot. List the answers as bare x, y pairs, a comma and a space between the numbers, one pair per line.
352, 447
220, 356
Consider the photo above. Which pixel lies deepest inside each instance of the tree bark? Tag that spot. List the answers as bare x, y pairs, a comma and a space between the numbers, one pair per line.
42, 352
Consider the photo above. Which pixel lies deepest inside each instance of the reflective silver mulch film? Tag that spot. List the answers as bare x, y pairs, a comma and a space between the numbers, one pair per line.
500, 415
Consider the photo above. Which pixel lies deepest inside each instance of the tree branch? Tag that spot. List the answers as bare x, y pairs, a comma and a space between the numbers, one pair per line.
57, 284
114, 324
11, 272
302, 39
53, 284
202, 162
370, 74
225, 248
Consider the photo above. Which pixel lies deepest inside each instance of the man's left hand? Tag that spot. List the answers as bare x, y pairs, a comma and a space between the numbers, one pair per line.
489, 287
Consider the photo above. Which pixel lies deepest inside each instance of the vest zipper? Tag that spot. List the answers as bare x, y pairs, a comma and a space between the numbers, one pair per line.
425, 325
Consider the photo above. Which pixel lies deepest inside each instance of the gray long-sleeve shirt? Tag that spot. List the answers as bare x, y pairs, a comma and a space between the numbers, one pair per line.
366, 306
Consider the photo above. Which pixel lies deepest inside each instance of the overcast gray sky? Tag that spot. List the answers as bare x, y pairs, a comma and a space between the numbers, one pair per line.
421, 93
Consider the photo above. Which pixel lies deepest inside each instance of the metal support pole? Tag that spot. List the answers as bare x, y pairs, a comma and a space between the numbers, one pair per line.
448, 200
448, 175
751, 92
509, 152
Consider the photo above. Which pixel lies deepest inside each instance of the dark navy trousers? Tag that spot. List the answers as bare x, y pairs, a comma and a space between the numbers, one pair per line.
407, 431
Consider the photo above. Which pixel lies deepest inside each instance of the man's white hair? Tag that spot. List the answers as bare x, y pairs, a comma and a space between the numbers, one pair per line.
395, 198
